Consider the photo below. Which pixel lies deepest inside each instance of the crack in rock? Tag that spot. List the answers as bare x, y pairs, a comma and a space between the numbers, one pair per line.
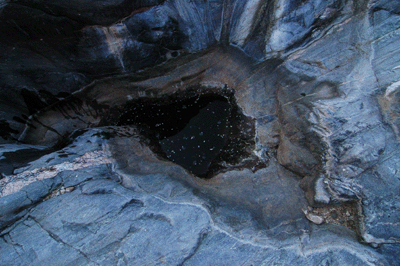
59, 240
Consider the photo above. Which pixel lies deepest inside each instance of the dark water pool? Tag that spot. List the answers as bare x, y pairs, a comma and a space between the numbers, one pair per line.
202, 138
200, 132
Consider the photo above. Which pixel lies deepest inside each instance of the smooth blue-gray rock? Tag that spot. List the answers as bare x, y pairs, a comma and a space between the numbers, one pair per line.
102, 106
143, 213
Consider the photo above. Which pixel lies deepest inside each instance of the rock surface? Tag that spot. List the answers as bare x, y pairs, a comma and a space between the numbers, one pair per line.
140, 212
320, 80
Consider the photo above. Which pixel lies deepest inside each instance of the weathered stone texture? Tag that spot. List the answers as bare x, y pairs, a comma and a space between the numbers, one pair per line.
319, 79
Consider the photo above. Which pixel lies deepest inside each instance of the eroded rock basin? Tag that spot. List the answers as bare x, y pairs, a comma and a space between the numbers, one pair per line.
201, 129
257, 149
302, 141
191, 118
182, 118
206, 114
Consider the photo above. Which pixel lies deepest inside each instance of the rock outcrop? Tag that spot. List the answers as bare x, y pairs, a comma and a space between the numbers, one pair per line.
307, 172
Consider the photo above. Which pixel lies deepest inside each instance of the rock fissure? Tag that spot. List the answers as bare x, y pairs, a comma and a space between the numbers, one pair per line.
15, 245
59, 240
194, 250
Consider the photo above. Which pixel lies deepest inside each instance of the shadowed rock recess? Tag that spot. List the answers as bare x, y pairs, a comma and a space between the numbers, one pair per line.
223, 132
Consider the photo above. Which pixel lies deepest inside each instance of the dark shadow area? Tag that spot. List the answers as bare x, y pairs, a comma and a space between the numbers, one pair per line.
20, 158
202, 130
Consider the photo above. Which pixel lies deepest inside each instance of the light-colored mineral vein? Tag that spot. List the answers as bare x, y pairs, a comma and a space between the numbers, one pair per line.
14, 183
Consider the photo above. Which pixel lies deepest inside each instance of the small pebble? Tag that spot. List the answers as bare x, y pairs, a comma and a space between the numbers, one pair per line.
314, 218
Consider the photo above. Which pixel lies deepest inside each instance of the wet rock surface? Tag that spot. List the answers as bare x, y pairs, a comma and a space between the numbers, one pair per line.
305, 95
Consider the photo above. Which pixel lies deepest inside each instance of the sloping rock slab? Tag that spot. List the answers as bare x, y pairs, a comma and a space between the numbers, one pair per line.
116, 214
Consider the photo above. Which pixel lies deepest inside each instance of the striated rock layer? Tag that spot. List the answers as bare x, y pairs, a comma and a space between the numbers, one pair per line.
307, 168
